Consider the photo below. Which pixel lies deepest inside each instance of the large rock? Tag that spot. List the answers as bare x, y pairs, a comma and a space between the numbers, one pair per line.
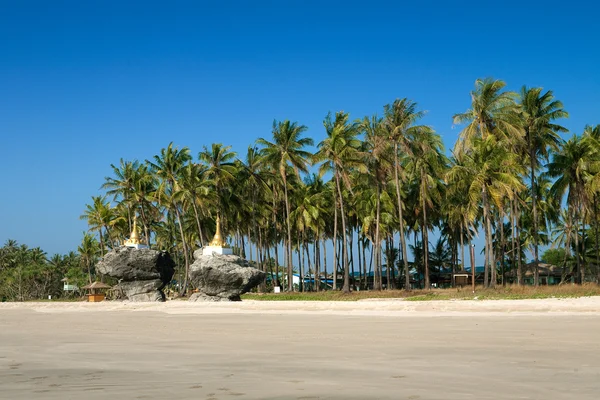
142, 273
222, 277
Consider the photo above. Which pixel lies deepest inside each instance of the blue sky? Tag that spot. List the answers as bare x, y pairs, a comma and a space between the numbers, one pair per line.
83, 84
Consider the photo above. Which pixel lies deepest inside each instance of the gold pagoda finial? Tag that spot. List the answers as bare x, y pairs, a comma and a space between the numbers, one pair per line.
133, 238
217, 239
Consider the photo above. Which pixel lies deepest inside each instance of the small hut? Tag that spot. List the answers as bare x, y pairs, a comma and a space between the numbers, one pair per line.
97, 290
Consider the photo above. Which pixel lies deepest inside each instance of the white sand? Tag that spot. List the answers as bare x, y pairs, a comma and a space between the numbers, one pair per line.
384, 349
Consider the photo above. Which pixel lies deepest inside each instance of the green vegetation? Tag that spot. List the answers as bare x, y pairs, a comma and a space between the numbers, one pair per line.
513, 292
384, 184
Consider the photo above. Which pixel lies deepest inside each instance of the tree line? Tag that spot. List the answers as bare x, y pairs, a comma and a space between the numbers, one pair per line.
372, 192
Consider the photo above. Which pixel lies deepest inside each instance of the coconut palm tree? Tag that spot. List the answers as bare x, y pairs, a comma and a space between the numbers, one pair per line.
377, 155
168, 167
99, 215
427, 164
400, 120
339, 152
570, 166
538, 113
287, 149
492, 174
219, 167
88, 252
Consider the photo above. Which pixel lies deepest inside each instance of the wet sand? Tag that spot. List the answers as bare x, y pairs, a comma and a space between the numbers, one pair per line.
538, 349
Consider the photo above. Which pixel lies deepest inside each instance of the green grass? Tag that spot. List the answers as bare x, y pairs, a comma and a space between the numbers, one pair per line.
500, 293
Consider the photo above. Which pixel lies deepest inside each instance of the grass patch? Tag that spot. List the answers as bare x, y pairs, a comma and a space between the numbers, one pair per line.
499, 293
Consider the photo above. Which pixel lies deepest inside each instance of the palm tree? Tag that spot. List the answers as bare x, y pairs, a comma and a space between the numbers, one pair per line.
123, 184
376, 150
491, 173
168, 166
220, 168
427, 165
541, 135
492, 112
194, 191
570, 167
88, 251
400, 121
99, 215
340, 152
287, 150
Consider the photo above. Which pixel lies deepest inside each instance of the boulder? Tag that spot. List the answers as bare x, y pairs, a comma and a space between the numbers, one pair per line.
222, 277
142, 273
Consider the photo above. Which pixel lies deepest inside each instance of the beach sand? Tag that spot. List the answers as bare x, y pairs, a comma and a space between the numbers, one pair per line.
380, 349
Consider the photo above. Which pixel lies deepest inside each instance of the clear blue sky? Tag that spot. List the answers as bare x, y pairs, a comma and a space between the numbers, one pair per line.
84, 83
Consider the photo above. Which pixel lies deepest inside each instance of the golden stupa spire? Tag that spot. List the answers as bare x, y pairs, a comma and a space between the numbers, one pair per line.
217, 239
133, 238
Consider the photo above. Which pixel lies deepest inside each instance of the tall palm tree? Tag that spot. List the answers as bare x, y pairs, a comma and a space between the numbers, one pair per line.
538, 111
376, 149
339, 152
287, 149
400, 120
427, 165
491, 173
570, 166
168, 166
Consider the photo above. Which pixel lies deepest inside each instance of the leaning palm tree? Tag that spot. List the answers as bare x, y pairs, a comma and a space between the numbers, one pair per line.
287, 149
538, 113
340, 152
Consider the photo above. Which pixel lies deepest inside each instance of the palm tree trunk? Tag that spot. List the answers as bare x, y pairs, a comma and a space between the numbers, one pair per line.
364, 258
185, 252
597, 278
425, 244
334, 240
488, 238
502, 247
289, 233
518, 239
401, 219
378, 277
346, 287
462, 247
583, 257
325, 260
200, 234
579, 280
536, 278
513, 236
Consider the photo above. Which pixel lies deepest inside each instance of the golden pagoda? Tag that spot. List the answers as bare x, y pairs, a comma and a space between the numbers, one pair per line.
217, 244
134, 239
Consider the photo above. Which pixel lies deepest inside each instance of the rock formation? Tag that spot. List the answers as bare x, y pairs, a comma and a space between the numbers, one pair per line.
142, 273
222, 277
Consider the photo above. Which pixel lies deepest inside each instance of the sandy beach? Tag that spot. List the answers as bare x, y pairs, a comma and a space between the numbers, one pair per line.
379, 349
